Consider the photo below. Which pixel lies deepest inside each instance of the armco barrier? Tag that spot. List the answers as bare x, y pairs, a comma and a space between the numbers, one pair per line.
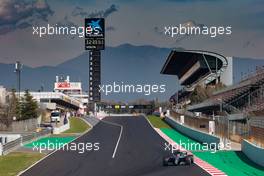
91, 120
12, 145
194, 134
253, 152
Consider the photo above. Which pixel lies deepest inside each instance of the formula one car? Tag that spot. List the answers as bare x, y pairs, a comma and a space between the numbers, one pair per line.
178, 158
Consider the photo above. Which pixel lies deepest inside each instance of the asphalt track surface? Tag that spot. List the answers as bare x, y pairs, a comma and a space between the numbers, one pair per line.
139, 152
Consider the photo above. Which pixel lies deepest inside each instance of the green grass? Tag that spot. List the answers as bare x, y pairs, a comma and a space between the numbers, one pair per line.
157, 122
182, 140
232, 163
15, 162
77, 125
60, 141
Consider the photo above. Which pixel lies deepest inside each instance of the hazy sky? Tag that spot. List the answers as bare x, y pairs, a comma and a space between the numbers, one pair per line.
138, 22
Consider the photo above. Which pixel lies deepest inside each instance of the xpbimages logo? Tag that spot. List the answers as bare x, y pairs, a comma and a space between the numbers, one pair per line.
145, 89
191, 28
94, 28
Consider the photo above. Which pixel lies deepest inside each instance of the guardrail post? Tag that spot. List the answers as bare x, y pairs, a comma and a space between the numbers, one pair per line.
1, 149
21, 140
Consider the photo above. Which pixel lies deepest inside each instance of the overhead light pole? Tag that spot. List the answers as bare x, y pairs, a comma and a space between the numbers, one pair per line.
18, 68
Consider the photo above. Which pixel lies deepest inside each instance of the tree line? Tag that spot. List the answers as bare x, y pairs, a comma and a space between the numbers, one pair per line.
15, 109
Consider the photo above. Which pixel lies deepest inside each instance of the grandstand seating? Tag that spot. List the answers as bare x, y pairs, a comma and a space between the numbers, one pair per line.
256, 136
248, 95
181, 96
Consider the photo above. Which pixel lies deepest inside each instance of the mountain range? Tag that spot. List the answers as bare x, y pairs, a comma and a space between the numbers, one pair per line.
125, 63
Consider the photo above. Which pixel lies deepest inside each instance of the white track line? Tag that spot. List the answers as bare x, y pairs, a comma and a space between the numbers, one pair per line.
120, 134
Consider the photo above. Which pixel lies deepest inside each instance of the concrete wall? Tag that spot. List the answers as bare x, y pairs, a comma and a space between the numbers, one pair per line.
253, 152
24, 125
50, 106
20, 126
58, 130
194, 134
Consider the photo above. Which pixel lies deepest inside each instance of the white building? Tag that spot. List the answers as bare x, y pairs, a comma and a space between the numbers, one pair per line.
3, 94
72, 89
239, 68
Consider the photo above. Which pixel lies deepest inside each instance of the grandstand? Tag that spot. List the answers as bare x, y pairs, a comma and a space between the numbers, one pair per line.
238, 109
206, 69
181, 96
193, 68
243, 104
246, 96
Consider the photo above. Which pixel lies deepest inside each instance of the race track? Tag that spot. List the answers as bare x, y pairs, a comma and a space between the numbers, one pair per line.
138, 150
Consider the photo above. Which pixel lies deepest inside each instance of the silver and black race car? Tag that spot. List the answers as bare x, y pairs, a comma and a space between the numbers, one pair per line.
178, 158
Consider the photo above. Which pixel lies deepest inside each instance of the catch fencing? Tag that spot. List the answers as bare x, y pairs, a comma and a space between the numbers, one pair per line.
251, 128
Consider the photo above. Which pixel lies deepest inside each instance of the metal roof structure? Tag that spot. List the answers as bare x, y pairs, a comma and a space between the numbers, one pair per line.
56, 97
194, 66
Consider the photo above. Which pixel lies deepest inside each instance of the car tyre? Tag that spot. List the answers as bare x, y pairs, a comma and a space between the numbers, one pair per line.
188, 161
165, 163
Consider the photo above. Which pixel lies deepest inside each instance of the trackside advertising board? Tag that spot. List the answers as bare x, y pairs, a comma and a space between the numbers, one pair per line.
94, 34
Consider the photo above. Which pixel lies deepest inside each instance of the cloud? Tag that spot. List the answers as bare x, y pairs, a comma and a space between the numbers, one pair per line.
192, 23
189, 23
66, 22
110, 10
79, 11
157, 30
191, 1
248, 44
20, 14
110, 28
